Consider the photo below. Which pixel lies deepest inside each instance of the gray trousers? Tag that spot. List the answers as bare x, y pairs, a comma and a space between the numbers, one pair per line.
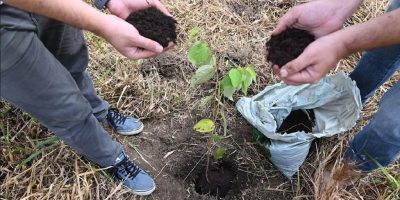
43, 71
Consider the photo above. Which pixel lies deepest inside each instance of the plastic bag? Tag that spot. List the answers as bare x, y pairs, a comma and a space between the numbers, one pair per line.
336, 103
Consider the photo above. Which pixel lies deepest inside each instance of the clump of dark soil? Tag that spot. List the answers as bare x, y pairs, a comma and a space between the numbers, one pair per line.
218, 180
288, 45
298, 120
153, 24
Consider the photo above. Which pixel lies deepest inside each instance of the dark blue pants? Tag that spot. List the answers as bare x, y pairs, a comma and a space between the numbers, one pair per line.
379, 141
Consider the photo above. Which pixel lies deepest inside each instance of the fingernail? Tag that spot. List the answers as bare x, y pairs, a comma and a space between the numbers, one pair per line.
284, 72
159, 49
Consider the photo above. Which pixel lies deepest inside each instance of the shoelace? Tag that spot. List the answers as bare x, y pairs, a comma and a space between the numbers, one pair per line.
127, 168
115, 117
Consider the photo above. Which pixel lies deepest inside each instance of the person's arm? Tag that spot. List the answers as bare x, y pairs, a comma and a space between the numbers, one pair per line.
123, 36
323, 54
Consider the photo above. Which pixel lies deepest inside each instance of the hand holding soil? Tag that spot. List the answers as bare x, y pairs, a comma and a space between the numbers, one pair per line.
127, 40
318, 17
123, 8
315, 62
155, 25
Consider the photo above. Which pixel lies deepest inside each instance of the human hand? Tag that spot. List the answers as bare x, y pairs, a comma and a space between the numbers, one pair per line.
127, 40
318, 17
122, 8
315, 62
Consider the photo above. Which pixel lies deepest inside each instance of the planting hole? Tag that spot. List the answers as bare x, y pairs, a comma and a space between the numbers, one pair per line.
220, 179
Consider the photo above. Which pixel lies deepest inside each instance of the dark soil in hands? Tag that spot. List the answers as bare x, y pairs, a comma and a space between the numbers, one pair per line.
288, 45
153, 24
220, 178
298, 120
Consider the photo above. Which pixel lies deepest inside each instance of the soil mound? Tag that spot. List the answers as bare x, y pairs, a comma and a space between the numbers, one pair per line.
288, 45
153, 24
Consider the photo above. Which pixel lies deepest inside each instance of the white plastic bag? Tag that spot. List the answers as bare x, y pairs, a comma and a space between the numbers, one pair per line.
336, 103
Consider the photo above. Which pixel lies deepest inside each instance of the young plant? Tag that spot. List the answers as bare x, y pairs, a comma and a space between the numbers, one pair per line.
237, 79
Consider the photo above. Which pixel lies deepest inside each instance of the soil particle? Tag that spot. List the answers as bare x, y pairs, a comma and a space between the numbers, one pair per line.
298, 120
288, 45
153, 24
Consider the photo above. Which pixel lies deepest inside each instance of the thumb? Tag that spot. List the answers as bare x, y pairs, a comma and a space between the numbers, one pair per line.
147, 44
294, 66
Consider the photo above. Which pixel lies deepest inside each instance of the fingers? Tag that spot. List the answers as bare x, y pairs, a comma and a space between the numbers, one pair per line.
137, 53
298, 64
288, 20
148, 44
301, 77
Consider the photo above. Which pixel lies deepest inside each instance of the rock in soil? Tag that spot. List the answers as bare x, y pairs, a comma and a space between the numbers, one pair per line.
153, 24
288, 45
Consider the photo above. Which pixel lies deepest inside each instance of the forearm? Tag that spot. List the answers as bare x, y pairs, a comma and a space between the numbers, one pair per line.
378, 32
73, 12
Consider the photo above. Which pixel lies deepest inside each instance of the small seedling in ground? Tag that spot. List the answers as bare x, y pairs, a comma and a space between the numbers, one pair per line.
237, 79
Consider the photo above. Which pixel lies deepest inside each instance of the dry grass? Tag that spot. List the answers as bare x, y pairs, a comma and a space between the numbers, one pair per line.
158, 88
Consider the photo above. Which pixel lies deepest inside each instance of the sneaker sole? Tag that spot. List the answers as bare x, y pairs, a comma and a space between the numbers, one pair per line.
135, 132
143, 193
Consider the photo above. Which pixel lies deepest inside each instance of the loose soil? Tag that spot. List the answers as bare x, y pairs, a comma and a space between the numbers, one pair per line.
298, 120
288, 45
153, 24
217, 181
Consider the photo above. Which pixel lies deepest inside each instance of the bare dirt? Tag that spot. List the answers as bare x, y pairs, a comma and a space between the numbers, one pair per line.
176, 157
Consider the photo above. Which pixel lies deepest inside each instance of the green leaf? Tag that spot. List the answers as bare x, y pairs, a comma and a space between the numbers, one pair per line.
227, 88
228, 92
199, 54
193, 34
216, 138
204, 126
252, 73
219, 153
203, 74
235, 76
246, 81
205, 100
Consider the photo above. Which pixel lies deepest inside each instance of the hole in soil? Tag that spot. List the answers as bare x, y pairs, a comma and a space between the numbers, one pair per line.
220, 178
288, 45
153, 24
298, 120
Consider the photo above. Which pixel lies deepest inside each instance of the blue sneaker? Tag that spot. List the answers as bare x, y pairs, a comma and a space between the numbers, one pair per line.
124, 125
132, 176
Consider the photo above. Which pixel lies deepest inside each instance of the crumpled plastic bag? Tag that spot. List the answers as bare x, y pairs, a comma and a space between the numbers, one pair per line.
336, 103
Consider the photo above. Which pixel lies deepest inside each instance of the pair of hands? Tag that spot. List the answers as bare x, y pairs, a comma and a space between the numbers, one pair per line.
320, 18
125, 37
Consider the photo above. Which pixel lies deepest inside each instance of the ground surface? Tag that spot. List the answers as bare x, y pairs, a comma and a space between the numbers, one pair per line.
157, 90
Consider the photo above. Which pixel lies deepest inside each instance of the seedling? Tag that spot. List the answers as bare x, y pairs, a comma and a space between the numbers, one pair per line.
238, 78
